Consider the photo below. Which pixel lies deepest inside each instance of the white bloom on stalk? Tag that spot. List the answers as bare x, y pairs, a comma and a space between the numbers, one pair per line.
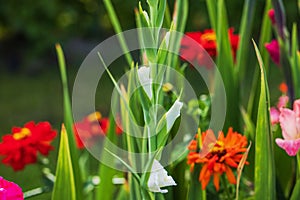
145, 80
159, 178
173, 113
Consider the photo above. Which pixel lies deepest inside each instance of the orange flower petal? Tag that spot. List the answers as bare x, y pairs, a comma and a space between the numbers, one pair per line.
217, 181
230, 175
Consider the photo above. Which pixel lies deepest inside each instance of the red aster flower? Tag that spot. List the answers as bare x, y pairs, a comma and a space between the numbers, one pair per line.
224, 155
90, 128
10, 190
21, 147
207, 39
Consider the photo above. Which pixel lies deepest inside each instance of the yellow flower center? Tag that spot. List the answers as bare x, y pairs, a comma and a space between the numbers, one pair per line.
219, 147
94, 116
209, 36
22, 134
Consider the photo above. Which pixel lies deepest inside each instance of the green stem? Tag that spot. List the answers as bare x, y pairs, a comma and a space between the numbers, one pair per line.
224, 183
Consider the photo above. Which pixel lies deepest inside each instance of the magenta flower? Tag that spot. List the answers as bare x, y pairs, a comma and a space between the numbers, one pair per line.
10, 190
271, 15
273, 50
290, 124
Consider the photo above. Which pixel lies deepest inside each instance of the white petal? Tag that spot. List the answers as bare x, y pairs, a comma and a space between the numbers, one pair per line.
167, 38
144, 76
173, 113
159, 178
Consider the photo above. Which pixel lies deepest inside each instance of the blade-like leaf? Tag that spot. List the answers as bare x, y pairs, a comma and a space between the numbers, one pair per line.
68, 121
264, 157
64, 185
296, 191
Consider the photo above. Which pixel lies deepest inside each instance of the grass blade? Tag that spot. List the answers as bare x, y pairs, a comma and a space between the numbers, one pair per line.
64, 185
68, 121
264, 157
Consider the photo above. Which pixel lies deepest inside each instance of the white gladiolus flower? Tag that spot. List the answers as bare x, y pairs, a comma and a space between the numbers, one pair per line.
173, 113
144, 76
159, 178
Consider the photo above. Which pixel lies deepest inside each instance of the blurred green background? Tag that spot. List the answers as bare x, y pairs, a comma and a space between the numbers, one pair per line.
30, 86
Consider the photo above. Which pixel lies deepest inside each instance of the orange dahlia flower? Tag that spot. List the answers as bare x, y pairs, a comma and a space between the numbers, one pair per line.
226, 154
21, 147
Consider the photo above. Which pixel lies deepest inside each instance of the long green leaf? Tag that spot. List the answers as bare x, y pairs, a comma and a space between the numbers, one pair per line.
68, 119
296, 191
265, 36
117, 27
264, 157
64, 186
244, 42
225, 66
295, 62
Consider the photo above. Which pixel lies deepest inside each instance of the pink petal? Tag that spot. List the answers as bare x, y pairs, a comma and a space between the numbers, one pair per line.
283, 100
274, 113
273, 49
297, 107
287, 120
290, 146
271, 15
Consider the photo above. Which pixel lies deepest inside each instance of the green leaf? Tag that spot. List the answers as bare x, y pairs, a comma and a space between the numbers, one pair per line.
296, 191
68, 121
244, 42
225, 66
64, 185
295, 62
264, 156
117, 27
265, 36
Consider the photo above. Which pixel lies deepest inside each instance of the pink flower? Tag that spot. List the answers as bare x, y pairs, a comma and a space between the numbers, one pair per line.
273, 49
275, 111
271, 15
10, 190
290, 125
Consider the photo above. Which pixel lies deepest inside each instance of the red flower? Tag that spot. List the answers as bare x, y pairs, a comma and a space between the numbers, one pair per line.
90, 128
271, 15
10, 190
273, 50
224, 155
207, 39
21, 147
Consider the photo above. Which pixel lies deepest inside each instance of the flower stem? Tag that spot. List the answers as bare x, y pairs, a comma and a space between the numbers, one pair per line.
224, 182
298, 165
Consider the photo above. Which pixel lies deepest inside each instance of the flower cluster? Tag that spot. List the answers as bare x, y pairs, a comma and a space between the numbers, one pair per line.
90, 128
22, 146
224, 155
208, 40
10, 190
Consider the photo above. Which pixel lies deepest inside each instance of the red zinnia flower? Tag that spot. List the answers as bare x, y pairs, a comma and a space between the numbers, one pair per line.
21, 147
207, 39
10, 190
91, 127
224, 155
